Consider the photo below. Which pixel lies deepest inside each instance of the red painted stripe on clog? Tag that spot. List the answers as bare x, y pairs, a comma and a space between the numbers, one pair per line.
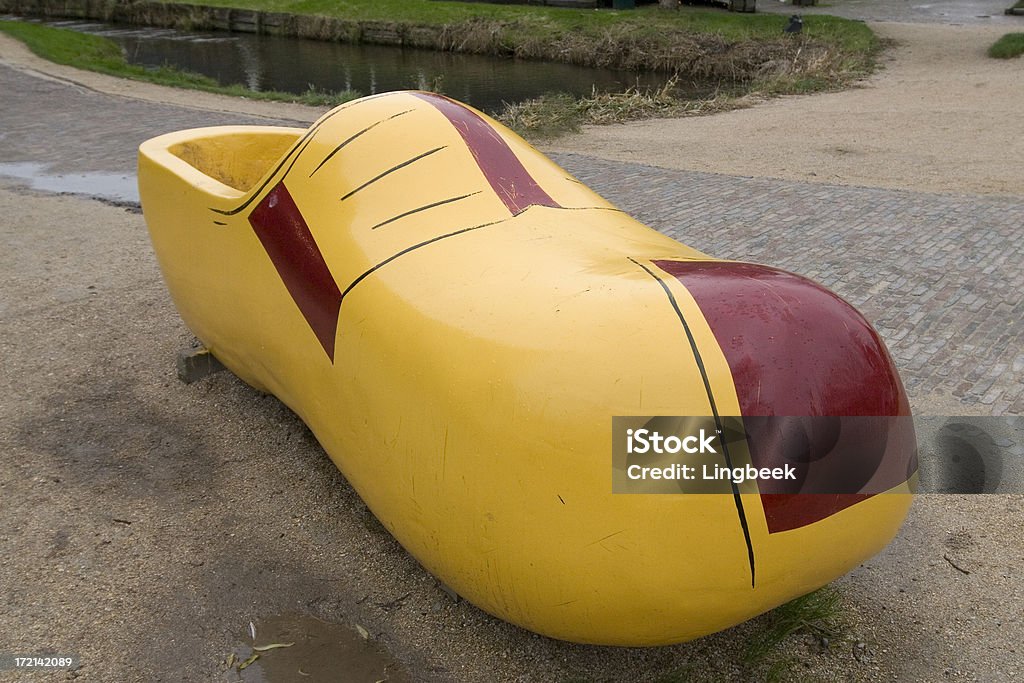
506, 174
281, 229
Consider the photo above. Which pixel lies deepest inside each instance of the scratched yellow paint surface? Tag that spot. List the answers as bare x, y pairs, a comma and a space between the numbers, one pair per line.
470, 398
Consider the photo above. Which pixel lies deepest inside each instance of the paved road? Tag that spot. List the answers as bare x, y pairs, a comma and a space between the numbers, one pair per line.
74, 129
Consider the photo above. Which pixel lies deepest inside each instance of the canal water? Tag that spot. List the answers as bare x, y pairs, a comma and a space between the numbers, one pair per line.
294, 65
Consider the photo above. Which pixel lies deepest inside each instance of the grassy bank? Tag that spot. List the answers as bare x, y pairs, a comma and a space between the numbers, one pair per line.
696, 43
95, 53
1009, 46
549, 21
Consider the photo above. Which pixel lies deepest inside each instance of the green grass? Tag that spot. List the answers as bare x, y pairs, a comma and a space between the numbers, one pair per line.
765, 657
95, 53
430, 12
816, 614
1009, 46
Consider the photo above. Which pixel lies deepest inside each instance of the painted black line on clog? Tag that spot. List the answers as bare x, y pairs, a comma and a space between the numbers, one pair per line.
293, 154
714, 411
405, 251
424, 208
346, 142
391, 170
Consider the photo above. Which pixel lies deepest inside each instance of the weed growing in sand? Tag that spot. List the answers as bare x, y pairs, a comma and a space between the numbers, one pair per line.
815, 614
765, 657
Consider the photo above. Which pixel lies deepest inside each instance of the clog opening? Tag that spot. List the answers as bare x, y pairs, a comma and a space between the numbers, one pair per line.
238, 160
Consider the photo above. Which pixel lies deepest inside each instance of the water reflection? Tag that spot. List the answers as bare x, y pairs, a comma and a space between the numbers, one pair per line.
295, 65
309, 649
119, 188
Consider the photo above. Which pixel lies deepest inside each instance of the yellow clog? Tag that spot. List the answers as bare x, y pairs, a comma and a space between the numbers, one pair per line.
458, 320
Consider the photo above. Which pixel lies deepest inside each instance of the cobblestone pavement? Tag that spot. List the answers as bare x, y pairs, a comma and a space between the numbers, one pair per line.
938, 275
911, 11
75, 130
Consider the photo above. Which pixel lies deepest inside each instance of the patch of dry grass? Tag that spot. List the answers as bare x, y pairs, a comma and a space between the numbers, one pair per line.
557, 113
753, 72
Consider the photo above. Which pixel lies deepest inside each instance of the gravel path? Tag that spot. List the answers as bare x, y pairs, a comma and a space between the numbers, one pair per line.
146, 522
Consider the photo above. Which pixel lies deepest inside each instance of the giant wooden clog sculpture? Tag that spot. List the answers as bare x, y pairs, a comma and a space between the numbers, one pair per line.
457, 320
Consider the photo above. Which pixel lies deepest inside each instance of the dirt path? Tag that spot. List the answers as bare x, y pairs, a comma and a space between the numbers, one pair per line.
941, 117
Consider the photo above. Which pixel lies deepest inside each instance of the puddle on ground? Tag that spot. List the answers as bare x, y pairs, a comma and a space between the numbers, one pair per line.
115, 187
322, 651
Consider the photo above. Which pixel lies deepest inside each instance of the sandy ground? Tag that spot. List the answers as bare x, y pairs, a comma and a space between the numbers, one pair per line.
144, 523
940, 117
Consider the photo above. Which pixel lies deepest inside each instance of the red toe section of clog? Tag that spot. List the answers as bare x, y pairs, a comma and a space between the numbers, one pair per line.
796, 349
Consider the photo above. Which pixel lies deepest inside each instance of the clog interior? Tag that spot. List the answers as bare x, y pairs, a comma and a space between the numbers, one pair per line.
237, 159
